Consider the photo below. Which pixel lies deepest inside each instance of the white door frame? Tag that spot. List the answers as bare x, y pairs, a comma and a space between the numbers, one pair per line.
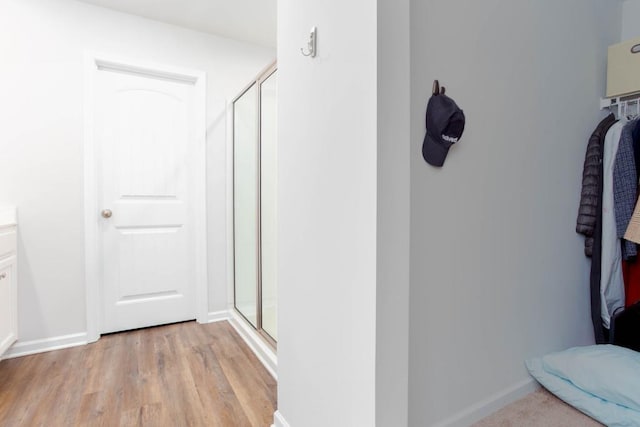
93, 252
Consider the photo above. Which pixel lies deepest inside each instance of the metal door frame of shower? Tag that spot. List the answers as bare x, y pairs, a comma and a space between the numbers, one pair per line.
257, 82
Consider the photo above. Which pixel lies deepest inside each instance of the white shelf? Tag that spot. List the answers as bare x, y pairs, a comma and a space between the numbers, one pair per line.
621, 103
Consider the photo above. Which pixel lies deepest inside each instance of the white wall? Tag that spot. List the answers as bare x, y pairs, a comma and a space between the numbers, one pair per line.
630, 19
42, 44
498, 273
394, 183
327, 214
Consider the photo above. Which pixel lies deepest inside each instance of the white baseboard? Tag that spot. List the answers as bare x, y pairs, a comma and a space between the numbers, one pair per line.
263, 352
25, 348
279, 421
7, 343
217, 316
488, 406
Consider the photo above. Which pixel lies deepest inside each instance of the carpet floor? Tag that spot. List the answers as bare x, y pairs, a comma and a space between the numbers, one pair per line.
538, 409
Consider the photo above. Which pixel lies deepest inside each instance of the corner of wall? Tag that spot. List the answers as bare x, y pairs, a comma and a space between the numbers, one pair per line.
491, 404
393, 213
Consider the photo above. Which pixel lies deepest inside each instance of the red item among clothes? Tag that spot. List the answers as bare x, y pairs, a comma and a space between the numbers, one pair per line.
631, 275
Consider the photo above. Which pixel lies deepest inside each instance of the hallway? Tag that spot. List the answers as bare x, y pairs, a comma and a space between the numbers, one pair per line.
174, 375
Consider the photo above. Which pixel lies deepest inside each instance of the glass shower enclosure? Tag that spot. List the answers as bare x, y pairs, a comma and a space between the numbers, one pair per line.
255, 204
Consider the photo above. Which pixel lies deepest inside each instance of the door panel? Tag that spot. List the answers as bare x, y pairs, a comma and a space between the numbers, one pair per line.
268, 203
144, 128
245, 205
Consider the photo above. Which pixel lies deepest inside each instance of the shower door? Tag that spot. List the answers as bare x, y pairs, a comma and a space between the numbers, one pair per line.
245, 203
268, 206
255, 209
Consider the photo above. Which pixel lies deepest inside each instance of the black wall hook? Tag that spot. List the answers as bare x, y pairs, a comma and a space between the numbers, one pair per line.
437, 90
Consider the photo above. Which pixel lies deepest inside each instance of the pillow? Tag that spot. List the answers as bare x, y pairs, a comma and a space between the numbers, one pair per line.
609, 372
601, 381
609, 414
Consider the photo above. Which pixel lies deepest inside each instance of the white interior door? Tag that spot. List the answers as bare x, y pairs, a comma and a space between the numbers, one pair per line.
145, 139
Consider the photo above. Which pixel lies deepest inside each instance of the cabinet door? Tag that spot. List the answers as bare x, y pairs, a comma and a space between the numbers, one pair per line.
8, 304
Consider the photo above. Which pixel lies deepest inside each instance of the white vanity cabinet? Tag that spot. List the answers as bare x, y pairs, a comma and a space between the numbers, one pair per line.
8, 280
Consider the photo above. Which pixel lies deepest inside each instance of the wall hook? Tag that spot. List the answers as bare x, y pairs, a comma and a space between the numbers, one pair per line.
437, 89
312, 44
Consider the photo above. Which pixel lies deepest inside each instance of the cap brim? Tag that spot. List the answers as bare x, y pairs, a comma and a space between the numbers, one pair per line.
433, 152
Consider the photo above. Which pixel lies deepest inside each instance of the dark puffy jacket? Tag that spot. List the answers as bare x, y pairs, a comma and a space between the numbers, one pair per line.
591, 193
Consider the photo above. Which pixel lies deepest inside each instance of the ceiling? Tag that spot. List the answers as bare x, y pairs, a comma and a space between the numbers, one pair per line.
247, 20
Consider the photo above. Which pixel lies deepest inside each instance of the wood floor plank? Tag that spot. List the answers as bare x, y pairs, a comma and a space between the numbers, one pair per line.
176, 375
217, 394
248, 387
266, 377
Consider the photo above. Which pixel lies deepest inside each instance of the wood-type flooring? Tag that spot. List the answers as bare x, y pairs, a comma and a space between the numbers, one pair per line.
184, 374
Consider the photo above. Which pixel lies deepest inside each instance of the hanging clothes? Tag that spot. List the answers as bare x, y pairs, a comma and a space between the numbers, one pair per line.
636, 145
590, 220
611, 281
631, 269
625, 187
631, 274
630, 265
591, 191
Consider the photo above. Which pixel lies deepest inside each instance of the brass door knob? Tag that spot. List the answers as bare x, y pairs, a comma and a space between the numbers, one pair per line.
106, 213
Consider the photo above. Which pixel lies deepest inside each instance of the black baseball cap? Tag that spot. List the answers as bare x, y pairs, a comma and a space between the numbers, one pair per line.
445, 124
